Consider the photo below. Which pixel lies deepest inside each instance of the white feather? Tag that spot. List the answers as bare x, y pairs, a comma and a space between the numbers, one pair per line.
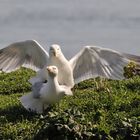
27, 53
93, 61
32, 104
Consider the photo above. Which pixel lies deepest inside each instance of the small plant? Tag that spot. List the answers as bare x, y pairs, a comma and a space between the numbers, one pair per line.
132, 69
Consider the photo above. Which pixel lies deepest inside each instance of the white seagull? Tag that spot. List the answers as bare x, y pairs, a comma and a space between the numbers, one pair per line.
90, 62
47, 93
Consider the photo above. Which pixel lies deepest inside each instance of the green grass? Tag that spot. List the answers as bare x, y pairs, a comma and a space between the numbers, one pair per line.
98, 110
16, 81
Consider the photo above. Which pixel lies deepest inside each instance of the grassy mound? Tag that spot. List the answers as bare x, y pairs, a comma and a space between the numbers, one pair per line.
99, 109
16, 81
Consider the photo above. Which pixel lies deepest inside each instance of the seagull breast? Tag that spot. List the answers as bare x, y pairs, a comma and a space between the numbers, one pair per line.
65, 72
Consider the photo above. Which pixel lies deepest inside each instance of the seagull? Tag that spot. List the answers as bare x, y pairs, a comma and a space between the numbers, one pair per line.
49, 93
56, 58
89, 62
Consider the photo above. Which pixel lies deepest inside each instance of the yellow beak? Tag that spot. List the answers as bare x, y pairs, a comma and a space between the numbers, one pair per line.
55, 53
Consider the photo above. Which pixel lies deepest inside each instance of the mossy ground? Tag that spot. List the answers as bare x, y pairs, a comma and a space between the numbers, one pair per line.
99, 109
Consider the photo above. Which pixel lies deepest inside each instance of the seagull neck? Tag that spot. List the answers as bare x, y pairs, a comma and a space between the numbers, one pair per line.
62, 57
53, 81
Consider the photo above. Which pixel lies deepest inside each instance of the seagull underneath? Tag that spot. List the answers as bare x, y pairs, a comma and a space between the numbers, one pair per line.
49, 93
90, 62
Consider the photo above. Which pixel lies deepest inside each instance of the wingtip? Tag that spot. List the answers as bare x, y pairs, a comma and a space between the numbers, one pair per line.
87, 47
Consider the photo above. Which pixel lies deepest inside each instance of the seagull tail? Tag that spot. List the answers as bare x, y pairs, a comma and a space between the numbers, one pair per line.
70, 93
32, 104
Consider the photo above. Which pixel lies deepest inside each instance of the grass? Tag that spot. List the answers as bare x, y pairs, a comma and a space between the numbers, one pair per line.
98, 110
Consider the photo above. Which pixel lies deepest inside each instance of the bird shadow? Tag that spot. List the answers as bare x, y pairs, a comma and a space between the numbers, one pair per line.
16, 113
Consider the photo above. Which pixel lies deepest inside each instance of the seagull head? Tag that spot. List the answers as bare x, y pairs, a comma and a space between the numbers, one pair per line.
52, 71
55, 50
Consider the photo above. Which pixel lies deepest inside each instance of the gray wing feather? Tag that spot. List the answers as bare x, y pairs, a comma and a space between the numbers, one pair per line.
132, 57
27, 53
36, 89
92, 62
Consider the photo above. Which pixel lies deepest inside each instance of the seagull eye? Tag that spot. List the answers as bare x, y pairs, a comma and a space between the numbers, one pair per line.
54, 68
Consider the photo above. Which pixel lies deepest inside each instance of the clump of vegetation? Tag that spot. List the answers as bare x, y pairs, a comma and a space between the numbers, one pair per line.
99, 109
132, 69
16, 81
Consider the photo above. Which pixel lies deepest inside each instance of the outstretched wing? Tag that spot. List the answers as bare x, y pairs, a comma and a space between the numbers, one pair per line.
132, 57
92, 62
27, 53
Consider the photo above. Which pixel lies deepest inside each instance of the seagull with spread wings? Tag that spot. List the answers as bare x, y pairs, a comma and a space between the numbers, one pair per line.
90, 62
